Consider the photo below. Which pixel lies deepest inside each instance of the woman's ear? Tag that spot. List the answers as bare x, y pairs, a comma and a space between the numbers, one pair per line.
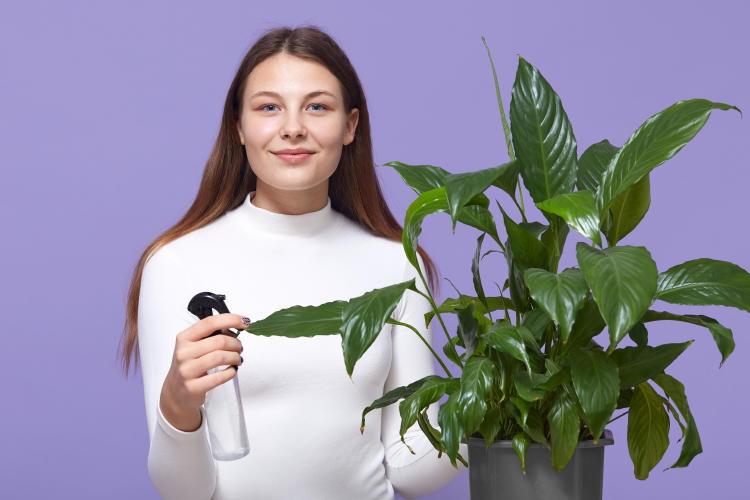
351, 126
239, 131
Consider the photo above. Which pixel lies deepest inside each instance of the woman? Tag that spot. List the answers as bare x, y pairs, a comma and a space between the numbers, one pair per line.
289, 211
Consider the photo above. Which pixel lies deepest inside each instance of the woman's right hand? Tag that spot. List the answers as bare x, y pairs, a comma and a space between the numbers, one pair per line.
187, 382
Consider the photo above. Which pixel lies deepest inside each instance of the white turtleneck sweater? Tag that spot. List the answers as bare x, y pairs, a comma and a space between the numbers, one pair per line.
302, 411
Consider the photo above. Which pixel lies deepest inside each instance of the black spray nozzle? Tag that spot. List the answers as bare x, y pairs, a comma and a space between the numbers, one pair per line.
202, 305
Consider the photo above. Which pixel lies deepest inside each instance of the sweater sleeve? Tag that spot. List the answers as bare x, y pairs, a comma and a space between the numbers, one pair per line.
423, 472
180, 463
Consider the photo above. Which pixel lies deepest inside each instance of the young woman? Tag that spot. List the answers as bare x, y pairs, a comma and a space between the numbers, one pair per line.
289, 212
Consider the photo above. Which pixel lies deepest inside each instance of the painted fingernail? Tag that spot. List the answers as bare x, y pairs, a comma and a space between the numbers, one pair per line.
246, 321
242, 360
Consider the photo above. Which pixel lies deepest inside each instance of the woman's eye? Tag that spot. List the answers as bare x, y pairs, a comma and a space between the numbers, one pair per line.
266, 105
321, 105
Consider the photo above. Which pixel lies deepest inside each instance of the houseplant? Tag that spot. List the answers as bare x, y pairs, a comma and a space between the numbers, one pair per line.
536, 374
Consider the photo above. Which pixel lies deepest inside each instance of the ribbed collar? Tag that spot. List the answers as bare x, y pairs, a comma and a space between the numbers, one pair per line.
296, 225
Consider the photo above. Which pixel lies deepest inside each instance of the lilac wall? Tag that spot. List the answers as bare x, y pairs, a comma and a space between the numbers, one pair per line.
108, 115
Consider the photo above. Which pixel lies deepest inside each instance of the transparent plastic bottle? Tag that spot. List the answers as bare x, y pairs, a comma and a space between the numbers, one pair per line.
226, 420
222, 407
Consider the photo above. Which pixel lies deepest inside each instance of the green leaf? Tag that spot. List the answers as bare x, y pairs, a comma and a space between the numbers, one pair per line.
527, 250
505, 337
480, 218
564, 427
420, 178
476, 381
460, 188
628, 209
431, 390
301, 321
597, 385
578, 210
449, 348
363, 318
521, 443
658, 139
559, 295
506, 129
639, 334
623, 282
705, 282
518, 292
542, 136
451, 305
648, 429
588, 324
450, 427
536, 322
638, 364
490, 426
391, 397
477, 279
433, 435
721, 334
553, 240
468, 329
593, 163
527, 385
676, 392
507, 180
429, 202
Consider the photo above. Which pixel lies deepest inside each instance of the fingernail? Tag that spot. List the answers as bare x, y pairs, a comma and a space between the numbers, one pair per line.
241, 360
246, 321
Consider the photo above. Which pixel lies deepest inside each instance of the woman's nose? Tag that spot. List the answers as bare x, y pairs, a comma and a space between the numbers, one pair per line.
292, 126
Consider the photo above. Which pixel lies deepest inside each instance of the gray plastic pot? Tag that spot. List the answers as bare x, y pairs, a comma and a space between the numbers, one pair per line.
495, 472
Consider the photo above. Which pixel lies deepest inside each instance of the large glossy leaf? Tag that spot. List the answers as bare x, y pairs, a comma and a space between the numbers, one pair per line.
597, 385
420, 178
721, 334
623, 282
451, 430
505, 337
429, 202
476, 277
301, 321
564, 428
479, 217
705, 282
536, 322
674, 390
638, 364
391, 397
578, 210
589, 323
627, 210
451, 305
542, 135
528, 385
491, 425
553, 239
559, 295
468, 328
508, 178
518, 293
431, 390
648, 429
521, 443
527, 250
593, 163
658, 139
476, 380
460, 188
363, 318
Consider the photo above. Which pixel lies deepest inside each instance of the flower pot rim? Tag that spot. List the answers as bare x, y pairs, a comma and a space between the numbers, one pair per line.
606, 439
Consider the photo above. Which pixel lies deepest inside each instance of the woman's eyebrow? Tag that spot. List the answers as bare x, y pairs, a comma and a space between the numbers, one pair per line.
314, 93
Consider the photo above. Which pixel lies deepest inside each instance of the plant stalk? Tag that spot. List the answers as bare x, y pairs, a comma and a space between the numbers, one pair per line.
407, 325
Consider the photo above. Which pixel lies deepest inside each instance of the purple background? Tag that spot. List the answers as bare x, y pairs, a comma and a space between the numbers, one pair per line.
108, 113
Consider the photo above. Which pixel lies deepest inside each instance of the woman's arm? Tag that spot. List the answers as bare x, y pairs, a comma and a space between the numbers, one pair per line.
180, 463
422, 473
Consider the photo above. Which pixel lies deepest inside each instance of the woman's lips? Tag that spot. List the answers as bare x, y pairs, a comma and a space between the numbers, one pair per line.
294, 158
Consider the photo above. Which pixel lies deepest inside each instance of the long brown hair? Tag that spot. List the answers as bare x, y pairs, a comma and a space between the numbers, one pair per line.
227, 178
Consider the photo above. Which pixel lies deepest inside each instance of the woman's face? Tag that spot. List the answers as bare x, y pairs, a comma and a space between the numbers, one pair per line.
293, 103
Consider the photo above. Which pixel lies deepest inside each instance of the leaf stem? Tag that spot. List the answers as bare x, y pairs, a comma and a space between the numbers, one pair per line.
618, 416
407, 325
429, 298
